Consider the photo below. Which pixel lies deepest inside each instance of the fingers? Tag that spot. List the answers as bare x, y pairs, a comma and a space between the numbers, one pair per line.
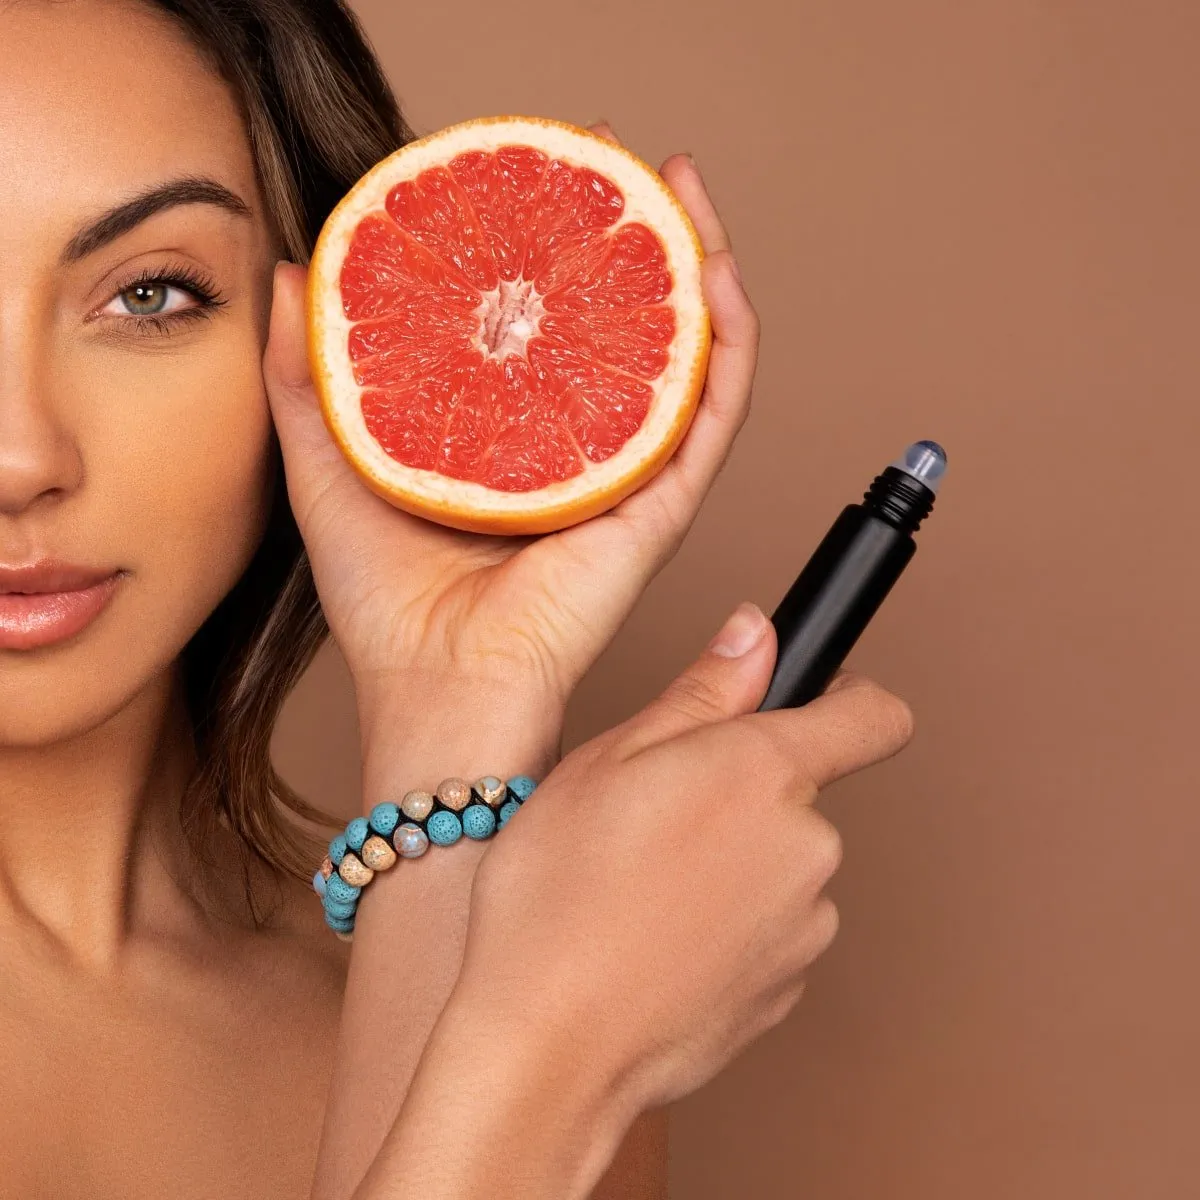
725, 404
645, 530
604, 129
855, 723
683, 177
285, 365
662, 511
730, 678
311, 457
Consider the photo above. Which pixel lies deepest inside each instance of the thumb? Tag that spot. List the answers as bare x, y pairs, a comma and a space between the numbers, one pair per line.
728, 680
311, 458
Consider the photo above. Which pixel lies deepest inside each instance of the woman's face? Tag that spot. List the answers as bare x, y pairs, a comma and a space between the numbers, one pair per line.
135, 280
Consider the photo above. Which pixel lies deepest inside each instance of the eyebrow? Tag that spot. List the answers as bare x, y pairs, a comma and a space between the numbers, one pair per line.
124, 217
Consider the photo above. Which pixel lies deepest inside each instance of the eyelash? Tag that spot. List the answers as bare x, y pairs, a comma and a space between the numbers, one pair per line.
189, 279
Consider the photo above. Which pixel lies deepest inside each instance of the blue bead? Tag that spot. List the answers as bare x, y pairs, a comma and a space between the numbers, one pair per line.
357, 832
522, 785
384, 818
336, 888
478, 821
337, 849
344, 912
342, 926
507, 809
444, 828
319, 884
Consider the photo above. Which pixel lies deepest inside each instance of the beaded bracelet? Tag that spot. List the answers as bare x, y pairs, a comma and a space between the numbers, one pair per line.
373, 844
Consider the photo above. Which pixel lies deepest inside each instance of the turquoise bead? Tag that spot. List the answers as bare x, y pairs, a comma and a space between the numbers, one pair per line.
357, 832
336, 888
444, 828
506, 811
337, 849
478, 821
334, 908
385, 817
522, 785
319, 883
340, 924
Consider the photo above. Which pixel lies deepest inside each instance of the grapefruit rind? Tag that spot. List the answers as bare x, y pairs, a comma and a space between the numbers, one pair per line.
464, 504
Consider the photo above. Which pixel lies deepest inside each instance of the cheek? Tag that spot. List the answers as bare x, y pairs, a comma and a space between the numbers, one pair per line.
181, 471
176, 453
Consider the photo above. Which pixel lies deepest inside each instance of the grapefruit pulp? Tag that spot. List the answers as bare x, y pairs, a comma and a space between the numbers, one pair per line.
505, 325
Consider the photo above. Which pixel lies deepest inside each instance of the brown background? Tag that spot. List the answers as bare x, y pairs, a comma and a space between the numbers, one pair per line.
974, 222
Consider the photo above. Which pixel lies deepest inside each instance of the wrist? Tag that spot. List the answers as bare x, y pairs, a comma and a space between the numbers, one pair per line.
424, 726
503, 1079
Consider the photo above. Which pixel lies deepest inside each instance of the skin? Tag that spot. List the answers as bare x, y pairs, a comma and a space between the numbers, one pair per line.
132, 985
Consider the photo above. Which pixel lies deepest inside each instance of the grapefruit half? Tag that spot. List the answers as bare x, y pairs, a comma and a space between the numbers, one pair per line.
505, 325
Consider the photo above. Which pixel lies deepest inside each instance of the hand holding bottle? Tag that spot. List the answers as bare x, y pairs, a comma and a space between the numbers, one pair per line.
649, 912
667, 877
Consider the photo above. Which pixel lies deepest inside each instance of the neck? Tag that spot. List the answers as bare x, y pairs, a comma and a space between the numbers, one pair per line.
91, 850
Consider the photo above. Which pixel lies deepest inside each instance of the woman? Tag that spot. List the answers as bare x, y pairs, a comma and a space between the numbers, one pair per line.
176, 1019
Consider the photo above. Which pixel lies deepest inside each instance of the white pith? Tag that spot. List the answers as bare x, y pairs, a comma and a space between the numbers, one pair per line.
647, 199
508, 318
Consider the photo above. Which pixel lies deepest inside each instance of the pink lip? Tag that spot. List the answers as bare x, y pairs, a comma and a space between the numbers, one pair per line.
49, 602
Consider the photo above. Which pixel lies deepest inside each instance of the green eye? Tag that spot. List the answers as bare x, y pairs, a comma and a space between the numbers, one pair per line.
145, 299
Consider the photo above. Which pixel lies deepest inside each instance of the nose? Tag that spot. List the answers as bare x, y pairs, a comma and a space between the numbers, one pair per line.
39, 461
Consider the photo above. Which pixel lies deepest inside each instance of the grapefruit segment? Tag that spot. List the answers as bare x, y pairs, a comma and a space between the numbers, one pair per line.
506, 325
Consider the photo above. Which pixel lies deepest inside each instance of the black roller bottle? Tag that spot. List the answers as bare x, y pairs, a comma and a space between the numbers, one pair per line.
848, 576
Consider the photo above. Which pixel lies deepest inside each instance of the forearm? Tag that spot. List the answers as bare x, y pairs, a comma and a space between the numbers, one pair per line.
500, 1108
412, 919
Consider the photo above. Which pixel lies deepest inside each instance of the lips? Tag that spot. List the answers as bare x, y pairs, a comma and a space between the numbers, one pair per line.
47, 602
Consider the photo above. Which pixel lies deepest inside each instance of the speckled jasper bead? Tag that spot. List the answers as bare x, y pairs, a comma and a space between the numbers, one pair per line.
417, 805
454, 793
377, 854
354, 871
375, 843
491, 790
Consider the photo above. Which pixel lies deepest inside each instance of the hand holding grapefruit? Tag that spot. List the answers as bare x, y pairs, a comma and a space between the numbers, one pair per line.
430, 617
506, 325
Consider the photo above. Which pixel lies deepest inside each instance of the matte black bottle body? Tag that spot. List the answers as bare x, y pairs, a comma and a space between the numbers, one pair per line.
843, 584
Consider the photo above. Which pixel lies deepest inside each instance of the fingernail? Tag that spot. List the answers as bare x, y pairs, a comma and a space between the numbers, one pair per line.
741, 632
692, 159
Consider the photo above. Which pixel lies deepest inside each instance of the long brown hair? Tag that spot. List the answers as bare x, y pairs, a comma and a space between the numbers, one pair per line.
318, 113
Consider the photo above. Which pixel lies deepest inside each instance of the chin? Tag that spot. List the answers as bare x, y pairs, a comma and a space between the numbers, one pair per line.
123, 664
64, 691
58, 695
